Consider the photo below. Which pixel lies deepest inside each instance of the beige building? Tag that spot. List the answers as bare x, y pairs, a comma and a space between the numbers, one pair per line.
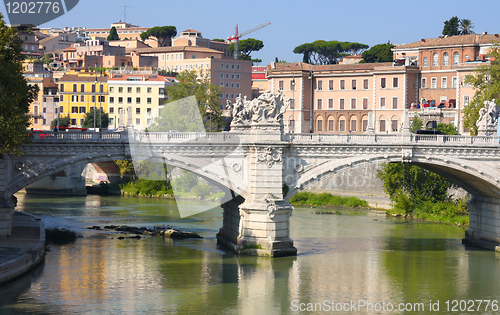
338, 98
138, 95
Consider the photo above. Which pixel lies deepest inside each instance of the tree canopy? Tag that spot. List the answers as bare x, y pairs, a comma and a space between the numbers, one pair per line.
378, 53
89, 119
246, 47
451, 26
328, 52
15, 93
64, 121
466, 27
179, 113
162, 34
486, 81
113, 34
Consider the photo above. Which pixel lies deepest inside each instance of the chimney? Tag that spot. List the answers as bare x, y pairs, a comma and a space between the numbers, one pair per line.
485, 33
423, 40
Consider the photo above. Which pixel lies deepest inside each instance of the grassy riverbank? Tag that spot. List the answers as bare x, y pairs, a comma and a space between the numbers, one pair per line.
305, 198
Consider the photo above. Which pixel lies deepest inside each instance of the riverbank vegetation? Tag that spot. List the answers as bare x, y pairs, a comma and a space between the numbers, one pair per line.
419, 193
305, 198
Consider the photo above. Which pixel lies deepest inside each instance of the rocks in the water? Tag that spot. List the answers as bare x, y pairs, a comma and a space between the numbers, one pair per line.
165, 231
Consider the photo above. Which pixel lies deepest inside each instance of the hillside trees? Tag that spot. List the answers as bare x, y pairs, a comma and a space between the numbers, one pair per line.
162, 34
113, 35
378, 53
246, 47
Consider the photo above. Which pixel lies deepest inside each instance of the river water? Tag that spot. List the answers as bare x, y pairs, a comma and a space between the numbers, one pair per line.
354, 262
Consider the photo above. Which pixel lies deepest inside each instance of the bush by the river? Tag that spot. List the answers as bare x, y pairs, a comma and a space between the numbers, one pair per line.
326, 199
147, 188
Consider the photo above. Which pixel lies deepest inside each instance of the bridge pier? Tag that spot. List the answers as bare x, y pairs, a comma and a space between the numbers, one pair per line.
484, 224
6, 215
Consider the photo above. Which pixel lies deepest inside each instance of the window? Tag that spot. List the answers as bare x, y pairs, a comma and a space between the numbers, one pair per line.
82, 109
111, 89
137, 121
382, 125
320, 85
150, 90
330, 85
330, 125
61, 98
148, 100
365, 84
342, 84
382, 103
74, 87
129, 89
237, 67
319, 104
232, 76
330, 103
148, 111
237, 77
395, 82
365, 103
342, 125
222, 84
435, 59
232, 95
149, 119
61, 87
92, 99
445, 59
353, 84
353, 125
73, 122
111, 121
425, 61
74, 109
227, 84
341, 103
232, 85
353, 103
280, 85
129, 100
444, 83
466, 100
111, 110
93, 88
237, 85
291, 124
394, 125
137, 110
138, 90
74, 98
292, 103
222, 75
433, 83
320, 125
382, 83
365, 125
120, 89
394, 103
137, 100
456, 58
454, 82
424, 83
292, 85
120, 100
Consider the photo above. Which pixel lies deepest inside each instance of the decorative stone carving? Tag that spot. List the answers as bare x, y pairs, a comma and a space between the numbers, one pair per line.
267, 109
407, 154
269, 156
488, 119
271, 208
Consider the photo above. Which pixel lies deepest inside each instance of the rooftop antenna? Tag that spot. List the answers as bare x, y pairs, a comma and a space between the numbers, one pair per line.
124, 11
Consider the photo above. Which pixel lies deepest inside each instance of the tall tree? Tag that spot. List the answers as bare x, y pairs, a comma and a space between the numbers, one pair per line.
113, 34
162, 34
378, 53
466, 27
328, 52
89, 119
486, 81
15, 93
194, 87
451, 26
246, 47
64, 121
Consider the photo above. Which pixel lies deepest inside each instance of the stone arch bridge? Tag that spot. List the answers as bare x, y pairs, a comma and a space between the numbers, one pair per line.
252, 166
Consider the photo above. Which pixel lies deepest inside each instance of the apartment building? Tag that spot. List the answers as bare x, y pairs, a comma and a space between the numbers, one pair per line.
81, 91
136, 97
338, 98
444, 63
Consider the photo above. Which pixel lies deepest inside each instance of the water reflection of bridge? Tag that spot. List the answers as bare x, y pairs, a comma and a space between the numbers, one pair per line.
253, 166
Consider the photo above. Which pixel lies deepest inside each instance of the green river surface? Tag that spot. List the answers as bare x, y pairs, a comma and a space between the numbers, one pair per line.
351, 263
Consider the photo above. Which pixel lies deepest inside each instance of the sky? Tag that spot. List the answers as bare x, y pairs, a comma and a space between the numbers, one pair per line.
293, 22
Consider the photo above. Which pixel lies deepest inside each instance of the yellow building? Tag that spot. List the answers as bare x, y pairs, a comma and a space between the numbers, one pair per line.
79, 92
139, 95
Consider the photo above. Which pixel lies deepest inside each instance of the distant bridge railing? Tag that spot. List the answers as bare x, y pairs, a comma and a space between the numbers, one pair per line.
296, 138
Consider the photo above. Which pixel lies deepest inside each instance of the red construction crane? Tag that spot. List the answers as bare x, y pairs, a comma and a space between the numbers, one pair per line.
236, 37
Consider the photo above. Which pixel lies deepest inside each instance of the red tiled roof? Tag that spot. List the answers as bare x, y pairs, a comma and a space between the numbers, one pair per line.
191, 31
154, 50
81, 78
147, 77
302, 67
472, 39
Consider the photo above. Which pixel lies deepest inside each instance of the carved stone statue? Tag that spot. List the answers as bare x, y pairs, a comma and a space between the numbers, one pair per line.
265, 111
488, 119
